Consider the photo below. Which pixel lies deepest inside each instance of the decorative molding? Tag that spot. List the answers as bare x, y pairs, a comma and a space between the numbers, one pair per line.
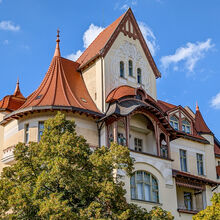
125, 52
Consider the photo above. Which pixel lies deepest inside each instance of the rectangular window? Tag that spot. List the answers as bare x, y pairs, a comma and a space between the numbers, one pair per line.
183, 162
26, 133
200, 167
121, 139
40, 129
188, 200
138, 143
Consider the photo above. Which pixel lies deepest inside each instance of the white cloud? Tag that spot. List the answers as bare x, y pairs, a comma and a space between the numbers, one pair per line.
88, 37
189, 55
149, 37
74, 56
90, 34
124, 7
215, 102
9, 26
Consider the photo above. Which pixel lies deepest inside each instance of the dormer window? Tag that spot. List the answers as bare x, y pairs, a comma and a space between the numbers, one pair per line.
174, 122
122, 69
186, 126
139, 76
130, 67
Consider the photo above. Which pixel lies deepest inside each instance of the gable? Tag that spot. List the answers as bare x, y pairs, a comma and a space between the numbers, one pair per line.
126, 24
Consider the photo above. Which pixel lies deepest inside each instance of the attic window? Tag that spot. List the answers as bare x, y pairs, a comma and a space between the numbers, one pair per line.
174, 122
38, 97
83, 100
186, 126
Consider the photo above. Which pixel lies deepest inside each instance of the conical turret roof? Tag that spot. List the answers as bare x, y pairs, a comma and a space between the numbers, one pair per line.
62, 86
13, 102
200, 124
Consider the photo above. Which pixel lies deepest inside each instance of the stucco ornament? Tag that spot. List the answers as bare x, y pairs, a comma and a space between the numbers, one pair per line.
128, 51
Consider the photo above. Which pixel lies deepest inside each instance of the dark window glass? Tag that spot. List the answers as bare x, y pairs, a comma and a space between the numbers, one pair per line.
139, 76
122, 69
183, 161
130, 67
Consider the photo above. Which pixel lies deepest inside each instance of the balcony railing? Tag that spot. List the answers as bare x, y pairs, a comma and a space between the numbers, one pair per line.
8, 155
183, 209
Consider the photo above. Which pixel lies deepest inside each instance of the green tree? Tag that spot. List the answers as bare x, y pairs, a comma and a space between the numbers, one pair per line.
211, 212
62, 178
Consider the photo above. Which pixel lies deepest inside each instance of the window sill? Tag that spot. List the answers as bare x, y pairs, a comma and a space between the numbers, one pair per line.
193, 212
123, 78
132, 77
146, 202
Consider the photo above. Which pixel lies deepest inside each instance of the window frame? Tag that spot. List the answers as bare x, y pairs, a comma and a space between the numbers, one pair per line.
200, 164
40, 129
185, 126
183, 158
139, 76
174, 122
26, 133
153, 188
188, 197
138, 143
122, 70
130, 68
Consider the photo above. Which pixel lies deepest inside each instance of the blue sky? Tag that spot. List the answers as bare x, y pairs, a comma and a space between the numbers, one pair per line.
183, 35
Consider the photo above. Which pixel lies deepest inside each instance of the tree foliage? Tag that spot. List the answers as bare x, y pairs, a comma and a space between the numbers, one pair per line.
211, 212
62, 178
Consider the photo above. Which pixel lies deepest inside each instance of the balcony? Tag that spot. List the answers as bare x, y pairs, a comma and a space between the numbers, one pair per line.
8, 155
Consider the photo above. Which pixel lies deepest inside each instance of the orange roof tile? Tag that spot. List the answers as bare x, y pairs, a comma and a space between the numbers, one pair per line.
165, 106
95, 47
12, 102
62, 86
200, 124
120, 92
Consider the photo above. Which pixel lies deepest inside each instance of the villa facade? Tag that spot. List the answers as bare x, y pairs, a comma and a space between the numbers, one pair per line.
111, 93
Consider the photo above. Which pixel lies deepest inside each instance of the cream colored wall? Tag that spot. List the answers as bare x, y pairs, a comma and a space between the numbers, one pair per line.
123, 49
162, 170
192, 148
92, 77
2, 114
14, 130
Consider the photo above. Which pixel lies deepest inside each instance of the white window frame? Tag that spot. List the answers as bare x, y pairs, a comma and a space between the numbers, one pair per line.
143, 182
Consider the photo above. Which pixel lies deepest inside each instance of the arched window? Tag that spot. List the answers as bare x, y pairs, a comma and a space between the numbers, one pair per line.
144, 186
186, 126
139, 76
122, 69
130, 67
174, 122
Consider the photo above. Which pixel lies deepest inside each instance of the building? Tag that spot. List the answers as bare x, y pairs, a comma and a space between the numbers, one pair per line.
111, 93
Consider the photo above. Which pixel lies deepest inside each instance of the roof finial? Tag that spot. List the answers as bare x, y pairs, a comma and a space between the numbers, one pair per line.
197, 107
57, 50
17, 88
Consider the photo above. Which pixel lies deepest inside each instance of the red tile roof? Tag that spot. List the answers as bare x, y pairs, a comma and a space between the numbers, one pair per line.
12, 102
120, 92
200, 124
62, 86
102, 43
165, 106
95, 47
